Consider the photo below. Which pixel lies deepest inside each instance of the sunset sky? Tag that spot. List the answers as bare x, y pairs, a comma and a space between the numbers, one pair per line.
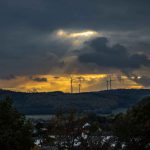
46, 43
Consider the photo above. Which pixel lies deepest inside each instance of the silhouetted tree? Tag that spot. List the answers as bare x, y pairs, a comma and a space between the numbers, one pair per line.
133, 128
15, 130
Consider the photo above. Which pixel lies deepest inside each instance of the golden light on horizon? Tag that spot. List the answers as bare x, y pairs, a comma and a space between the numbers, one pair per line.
89, 82
136, 87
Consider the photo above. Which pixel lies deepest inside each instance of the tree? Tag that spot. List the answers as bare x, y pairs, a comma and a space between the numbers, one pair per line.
15, 130
66, 128
133, 128
71, 132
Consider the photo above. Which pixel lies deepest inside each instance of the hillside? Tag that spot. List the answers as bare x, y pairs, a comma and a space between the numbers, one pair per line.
102, 102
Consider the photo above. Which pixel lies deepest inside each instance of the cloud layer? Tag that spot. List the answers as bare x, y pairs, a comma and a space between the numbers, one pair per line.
116, 56
48, 37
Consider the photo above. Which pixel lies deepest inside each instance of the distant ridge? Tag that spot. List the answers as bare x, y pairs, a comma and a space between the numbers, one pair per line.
101, 102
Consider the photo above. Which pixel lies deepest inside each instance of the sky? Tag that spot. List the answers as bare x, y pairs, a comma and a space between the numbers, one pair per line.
46, 43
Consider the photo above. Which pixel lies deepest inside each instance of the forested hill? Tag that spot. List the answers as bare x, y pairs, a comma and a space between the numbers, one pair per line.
102, 102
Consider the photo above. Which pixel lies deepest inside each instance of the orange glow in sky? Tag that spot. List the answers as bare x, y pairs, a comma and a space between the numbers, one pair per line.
89, 82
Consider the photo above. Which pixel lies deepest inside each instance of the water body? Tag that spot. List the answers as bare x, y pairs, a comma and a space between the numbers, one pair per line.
43, 117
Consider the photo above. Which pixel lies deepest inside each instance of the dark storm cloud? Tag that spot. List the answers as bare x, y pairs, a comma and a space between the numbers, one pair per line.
53, 14
116, 56
38, 79
25, 23
29, 64
9, 77
142, 46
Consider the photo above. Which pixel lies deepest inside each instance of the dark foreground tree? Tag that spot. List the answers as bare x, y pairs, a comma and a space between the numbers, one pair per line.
133, 128
15, 130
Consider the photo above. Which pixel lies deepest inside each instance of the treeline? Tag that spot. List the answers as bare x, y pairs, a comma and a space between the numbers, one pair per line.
71, 131
130, 131
103, 102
